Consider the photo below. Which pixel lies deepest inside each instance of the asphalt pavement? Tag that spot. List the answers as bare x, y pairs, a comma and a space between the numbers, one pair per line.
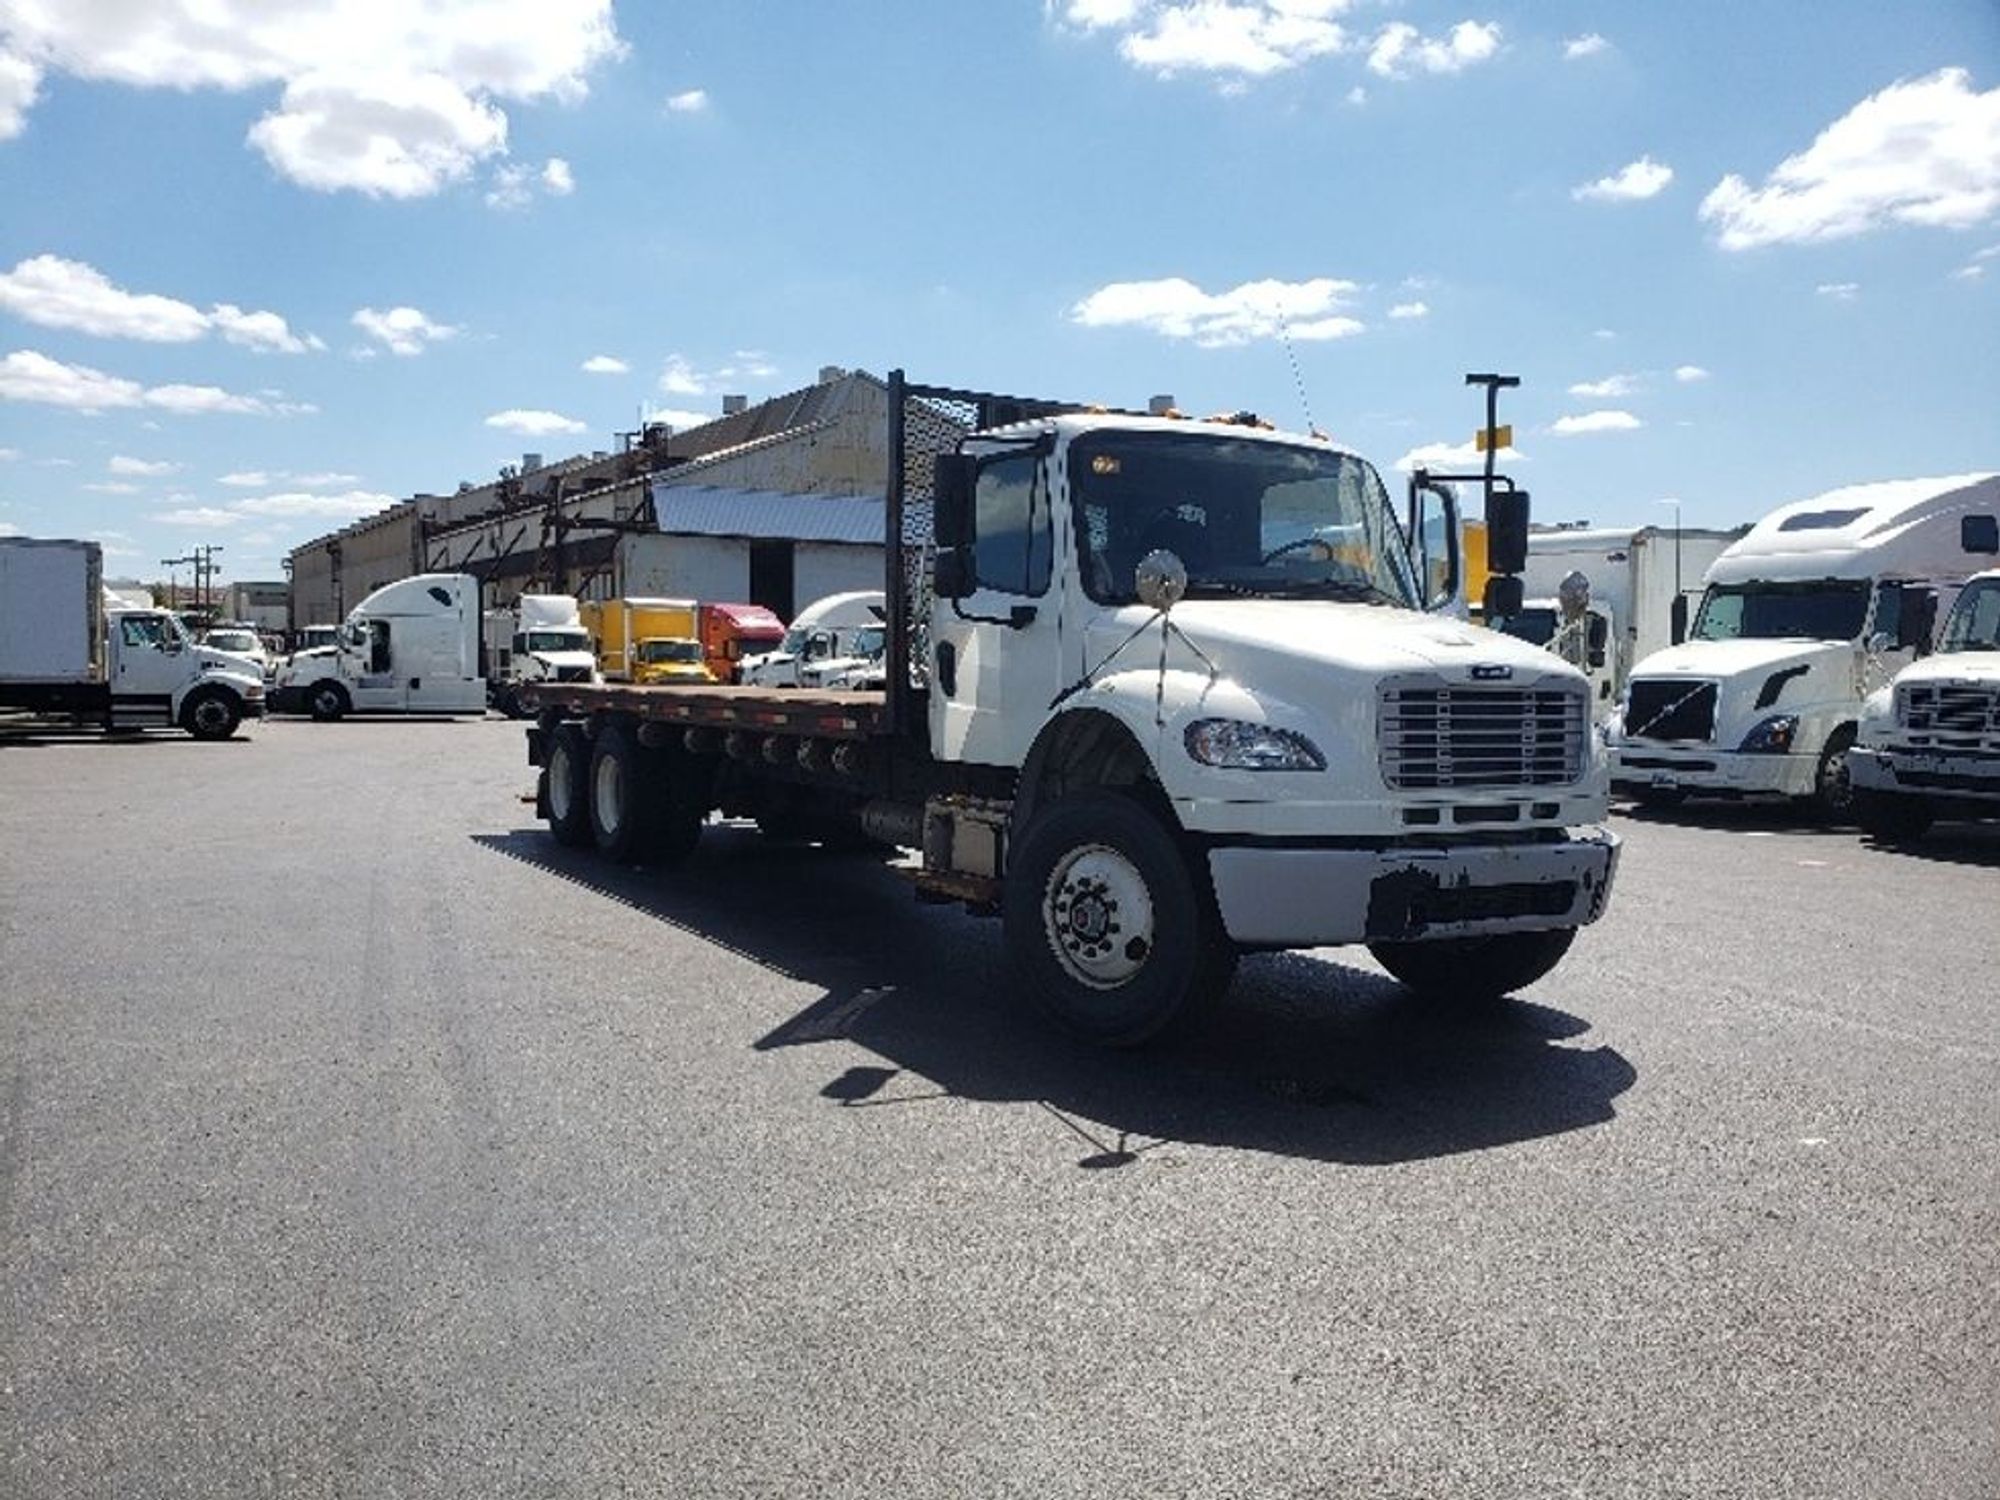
355, 1140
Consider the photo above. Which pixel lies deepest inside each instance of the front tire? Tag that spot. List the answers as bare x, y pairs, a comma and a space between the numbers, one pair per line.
1107, 930
1890, 818
212, 714
327, 701
1833, 793
1475, 968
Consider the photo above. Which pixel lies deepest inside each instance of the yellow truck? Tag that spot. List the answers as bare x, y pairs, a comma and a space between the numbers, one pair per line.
617, 627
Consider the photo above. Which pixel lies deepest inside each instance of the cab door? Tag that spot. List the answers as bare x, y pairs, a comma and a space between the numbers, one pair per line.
149, 663
996, 661
378, 687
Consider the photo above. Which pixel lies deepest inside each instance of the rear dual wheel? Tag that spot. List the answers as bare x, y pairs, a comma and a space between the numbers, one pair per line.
633, 804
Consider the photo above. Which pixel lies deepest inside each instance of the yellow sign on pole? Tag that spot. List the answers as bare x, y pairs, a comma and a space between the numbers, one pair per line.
1495, 438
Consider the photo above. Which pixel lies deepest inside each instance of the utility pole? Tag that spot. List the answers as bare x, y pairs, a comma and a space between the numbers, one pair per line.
204, 578
171, 564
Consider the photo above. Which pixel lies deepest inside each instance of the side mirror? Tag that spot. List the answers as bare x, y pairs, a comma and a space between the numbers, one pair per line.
1979, 534
1507, 531
1679, 619
1879, 642
1917, 620
1599, 631
951, 576
1504, 597
1160, 580
954, 479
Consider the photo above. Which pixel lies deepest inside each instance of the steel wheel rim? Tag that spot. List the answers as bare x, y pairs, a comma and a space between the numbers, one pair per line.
1098, 917
608, 793
211, 713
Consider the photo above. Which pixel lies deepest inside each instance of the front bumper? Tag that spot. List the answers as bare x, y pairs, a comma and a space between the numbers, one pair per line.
286, 700
1715, 773
1293, 896
1970, 775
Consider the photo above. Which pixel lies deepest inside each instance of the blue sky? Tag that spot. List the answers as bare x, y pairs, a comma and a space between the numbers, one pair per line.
270, 264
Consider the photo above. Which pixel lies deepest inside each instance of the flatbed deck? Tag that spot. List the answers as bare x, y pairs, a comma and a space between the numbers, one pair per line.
820, 713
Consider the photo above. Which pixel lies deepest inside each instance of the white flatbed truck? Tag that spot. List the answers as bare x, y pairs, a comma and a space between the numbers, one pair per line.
1159, 692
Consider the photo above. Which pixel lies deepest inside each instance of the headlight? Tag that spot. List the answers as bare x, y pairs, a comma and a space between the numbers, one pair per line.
1773, 736
1235, 746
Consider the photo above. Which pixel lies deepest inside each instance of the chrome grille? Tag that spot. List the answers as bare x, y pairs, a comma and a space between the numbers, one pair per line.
1670, 708
1432, 734
1950, 713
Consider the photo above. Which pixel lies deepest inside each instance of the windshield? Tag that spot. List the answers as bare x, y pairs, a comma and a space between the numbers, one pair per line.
1975, 620
1825, 609
558, 640
1247, 517
870, 640
231, 640
1535, 626
669, 650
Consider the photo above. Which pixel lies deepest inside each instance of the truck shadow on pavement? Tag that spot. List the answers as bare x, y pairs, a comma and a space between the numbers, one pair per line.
1305, 1058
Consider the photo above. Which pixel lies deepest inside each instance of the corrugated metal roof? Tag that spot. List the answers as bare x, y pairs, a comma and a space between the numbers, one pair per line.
714, 510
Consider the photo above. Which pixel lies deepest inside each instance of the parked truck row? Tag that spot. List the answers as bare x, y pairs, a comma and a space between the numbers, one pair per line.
1156, 693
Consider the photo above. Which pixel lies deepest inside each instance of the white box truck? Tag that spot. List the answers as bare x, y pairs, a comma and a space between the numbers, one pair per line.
1928, 746
1159, 692
1799, 622
73, 654
411, 647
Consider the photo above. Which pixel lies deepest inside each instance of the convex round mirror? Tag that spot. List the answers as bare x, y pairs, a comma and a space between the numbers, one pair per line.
1160, 580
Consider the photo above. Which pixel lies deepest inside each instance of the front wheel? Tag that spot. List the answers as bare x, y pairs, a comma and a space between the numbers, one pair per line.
1475, 968
1833, 793
1106, 926
1891, 818
327, 701
212, 714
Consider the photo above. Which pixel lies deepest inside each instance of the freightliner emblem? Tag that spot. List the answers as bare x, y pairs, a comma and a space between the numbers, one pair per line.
1487, 672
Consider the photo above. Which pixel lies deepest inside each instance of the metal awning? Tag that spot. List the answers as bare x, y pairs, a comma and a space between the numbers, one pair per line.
767, 515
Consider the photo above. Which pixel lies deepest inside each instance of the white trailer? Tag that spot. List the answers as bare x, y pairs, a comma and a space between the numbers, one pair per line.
1799, 622
72, 654
410, 647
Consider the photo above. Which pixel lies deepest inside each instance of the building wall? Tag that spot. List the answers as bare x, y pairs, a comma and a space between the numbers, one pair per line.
822, 568
373, 552
265, 605
713, 569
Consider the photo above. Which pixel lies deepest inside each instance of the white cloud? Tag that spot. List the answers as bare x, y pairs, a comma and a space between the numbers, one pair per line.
1410, 310
1177, 308
20, 82
27, 375
8, 455
690, 102
1644, 178
679, 377
324, 480
112, 487
1839, 291
1248, 38
1587, 45
1596, 421
1357, 96
58, 293
350, 506
1610, 388
198, 515
515, 186
139, 467
534, 423
1923, 151
1689, 374
680, 419
1971, 272
1604, 333
1453, 458
1400, 50
8, 528
248, 479
1091, 15
605, 364
388, 99
402, 330
1987, 254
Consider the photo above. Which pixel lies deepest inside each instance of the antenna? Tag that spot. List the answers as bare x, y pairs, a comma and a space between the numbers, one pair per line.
1298, 375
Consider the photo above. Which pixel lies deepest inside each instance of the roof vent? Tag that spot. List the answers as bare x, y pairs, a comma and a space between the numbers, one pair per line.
1159, 406
731, 405
828, 374
530, 462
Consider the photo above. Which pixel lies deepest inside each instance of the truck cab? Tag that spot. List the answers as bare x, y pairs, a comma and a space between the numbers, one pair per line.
667, 658
833, 642
409, 647
1928, 746
158, 674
